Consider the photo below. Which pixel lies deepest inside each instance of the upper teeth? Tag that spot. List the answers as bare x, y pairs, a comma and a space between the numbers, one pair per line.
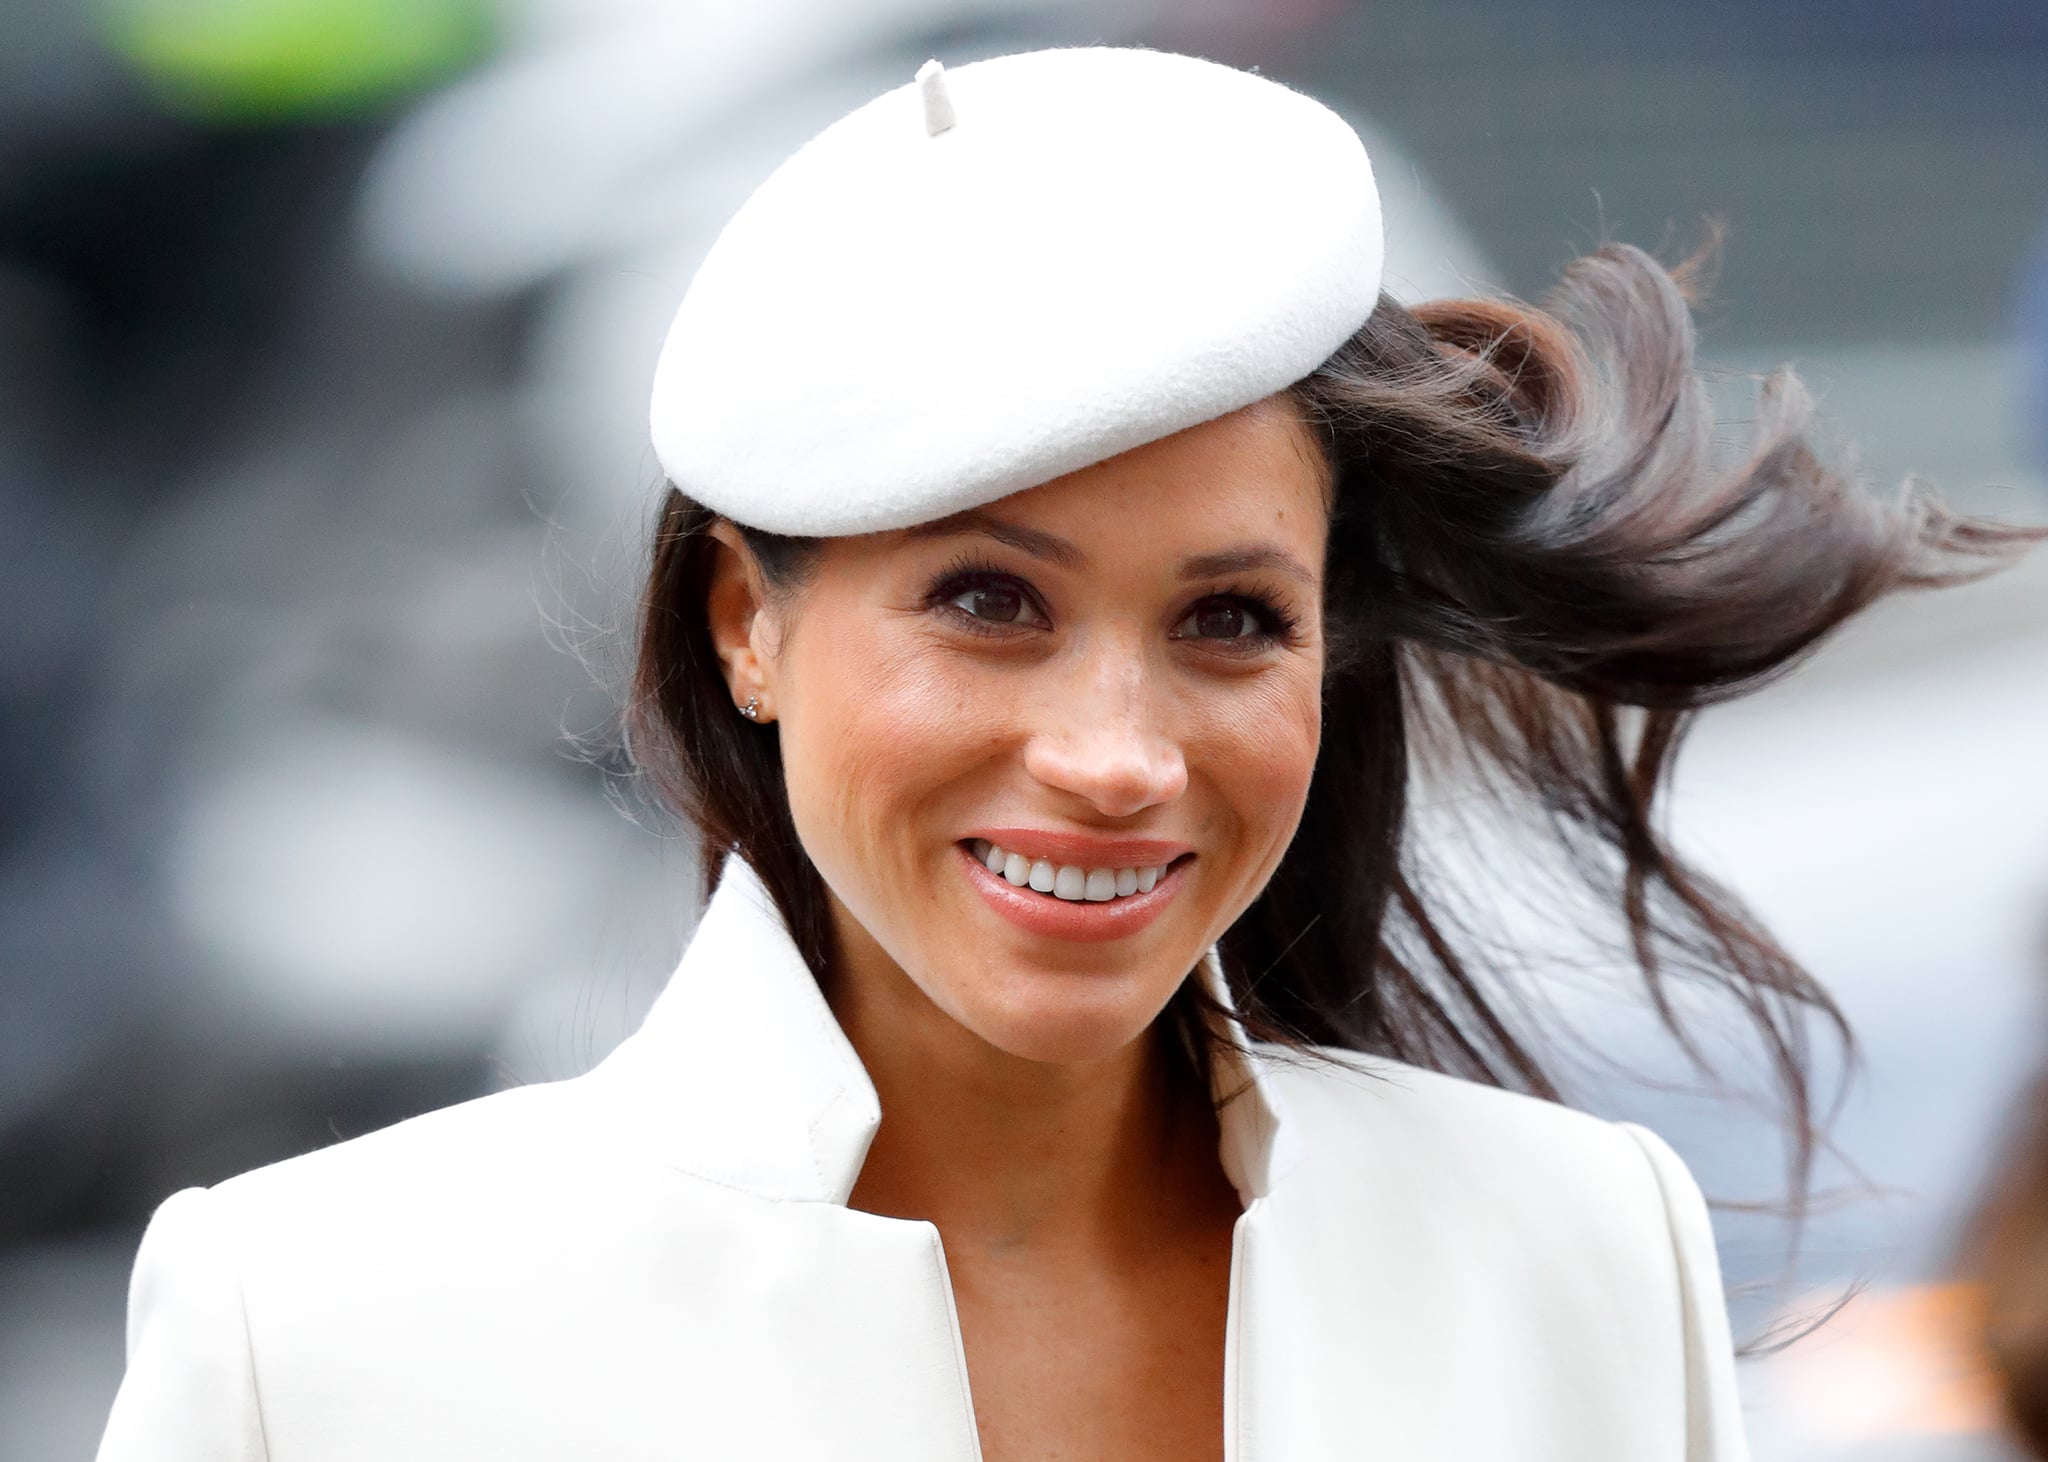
1067, 880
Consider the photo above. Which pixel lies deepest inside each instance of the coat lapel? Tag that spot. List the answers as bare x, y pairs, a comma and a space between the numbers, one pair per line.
740, 1075
743, 1075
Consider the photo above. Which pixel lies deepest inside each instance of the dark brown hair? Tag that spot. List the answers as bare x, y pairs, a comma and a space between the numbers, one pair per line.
1538, 571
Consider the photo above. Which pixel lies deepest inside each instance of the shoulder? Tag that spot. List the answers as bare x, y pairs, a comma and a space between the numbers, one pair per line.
1454, 1142
1589, 1216
449, 1221
1423, 1215
489, 1138
533, 1160
1335, 1092
327, 1247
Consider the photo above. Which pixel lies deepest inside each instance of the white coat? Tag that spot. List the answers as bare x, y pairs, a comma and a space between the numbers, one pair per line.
656, 1260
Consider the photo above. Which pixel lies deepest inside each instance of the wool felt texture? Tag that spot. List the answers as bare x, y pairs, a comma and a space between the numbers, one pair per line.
1097, 247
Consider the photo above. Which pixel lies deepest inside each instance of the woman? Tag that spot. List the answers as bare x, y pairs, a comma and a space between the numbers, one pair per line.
1068, 549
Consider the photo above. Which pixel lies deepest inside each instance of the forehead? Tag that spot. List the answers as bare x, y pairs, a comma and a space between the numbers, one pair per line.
1254, 475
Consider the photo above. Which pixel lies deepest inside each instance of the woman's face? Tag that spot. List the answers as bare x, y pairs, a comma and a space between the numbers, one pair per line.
1109, 684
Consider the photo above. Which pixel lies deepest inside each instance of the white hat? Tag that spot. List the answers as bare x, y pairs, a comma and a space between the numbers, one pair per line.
993, 276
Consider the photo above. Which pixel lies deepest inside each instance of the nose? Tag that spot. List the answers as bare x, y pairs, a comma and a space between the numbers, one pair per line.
1102, 739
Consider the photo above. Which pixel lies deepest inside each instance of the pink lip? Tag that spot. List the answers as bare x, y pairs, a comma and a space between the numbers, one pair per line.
1088, 923
1083, 850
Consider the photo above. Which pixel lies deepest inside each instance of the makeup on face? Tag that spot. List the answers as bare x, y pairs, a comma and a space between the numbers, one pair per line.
1043, 752
1078, 901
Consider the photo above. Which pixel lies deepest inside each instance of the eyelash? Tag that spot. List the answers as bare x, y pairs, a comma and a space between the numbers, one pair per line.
969, 572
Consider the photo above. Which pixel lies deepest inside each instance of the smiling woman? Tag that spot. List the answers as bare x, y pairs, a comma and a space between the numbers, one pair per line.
1070, 1060
1089, 677
1032, 760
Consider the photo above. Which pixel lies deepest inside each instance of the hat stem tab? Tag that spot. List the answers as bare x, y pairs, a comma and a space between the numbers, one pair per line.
938, 101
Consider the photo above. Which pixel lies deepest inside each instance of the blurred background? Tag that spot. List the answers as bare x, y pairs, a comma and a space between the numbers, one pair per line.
325, 332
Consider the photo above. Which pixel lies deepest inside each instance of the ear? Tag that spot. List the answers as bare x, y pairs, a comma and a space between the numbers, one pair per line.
736, 613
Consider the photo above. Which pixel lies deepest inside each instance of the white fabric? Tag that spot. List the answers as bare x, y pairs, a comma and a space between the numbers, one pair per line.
655, 1261
1103, 247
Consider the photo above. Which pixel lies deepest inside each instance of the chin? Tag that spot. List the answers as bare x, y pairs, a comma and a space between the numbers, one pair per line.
1062, 1019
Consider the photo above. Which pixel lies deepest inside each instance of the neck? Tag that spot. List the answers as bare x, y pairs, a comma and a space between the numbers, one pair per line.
1008, 1154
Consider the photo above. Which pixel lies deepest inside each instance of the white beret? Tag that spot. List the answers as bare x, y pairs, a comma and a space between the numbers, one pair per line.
999, 274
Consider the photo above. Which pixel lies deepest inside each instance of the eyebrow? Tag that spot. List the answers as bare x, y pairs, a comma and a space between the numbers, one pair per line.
1239, 559
1244, 560
1048, 546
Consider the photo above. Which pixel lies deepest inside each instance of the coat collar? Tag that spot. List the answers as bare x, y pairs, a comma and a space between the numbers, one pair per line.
741, 1074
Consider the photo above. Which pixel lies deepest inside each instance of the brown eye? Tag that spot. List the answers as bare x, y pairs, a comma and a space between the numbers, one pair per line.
987, 601
1219, 619
995, 603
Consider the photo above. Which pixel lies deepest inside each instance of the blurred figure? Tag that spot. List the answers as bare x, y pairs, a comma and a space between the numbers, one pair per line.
2003, 1255
2003, 1249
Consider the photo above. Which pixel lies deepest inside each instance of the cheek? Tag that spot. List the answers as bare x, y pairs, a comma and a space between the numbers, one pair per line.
1257, 749
874, 729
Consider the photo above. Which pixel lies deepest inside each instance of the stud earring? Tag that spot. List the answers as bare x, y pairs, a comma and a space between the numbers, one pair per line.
752, 709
